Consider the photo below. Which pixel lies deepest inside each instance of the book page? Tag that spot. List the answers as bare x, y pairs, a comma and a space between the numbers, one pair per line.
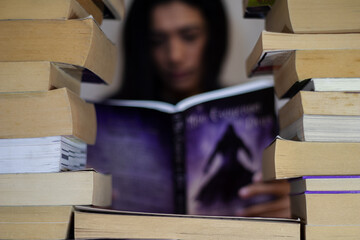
223, 93
224, 144
135, 145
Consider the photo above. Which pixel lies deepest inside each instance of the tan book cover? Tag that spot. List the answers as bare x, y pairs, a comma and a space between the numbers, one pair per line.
63, 188
42, 114
330, 70
273, 49
314, 16
321, 116
327, 207
77, 42
323, 232
290, 159
38, 76
36, 222
45, 9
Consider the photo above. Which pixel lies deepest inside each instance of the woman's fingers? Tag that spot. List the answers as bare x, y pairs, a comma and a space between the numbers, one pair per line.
257, 177
277, 188
277, 208
280, 207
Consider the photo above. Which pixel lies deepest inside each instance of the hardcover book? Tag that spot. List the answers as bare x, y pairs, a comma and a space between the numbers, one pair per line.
189, 158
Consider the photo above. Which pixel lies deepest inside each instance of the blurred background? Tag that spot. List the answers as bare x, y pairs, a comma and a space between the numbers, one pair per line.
243, 36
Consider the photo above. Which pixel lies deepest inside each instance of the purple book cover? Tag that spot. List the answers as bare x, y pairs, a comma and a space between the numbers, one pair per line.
224, 144
135, 146
185, 160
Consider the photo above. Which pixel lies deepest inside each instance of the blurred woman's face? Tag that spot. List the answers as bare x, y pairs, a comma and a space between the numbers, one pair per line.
178, 41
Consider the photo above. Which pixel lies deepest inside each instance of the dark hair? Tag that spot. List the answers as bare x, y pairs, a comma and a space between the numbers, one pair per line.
139, 77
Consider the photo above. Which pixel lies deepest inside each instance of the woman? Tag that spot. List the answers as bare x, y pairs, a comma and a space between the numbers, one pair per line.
175, 49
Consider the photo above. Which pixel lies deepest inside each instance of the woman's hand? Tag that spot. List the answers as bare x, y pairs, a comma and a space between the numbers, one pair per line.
279, 207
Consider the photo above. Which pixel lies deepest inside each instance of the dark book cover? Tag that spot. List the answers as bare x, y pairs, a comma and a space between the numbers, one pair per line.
135, 146
189, 158
224, 141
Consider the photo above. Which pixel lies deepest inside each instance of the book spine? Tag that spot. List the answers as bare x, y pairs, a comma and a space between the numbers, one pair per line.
179, 163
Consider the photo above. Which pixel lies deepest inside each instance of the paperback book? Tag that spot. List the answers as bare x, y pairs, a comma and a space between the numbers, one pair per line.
273, 49
86, 187
46, 154
36, 222
314, 16
334, 118
291, 159
95, 223
327, 206
318, 70
55, 9
189, 158
58, 112
333, 203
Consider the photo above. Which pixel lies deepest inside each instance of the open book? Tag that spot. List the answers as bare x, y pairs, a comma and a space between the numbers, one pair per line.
189, 158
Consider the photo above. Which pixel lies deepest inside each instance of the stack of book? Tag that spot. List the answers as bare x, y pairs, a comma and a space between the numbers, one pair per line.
313, 51
47, 49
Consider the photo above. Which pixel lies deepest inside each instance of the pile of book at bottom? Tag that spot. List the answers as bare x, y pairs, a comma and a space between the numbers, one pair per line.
324, 167
328, 205
61, 220
324, 120
40, 205
82, 222
43, 135
93, 223
308, 50
43, 145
